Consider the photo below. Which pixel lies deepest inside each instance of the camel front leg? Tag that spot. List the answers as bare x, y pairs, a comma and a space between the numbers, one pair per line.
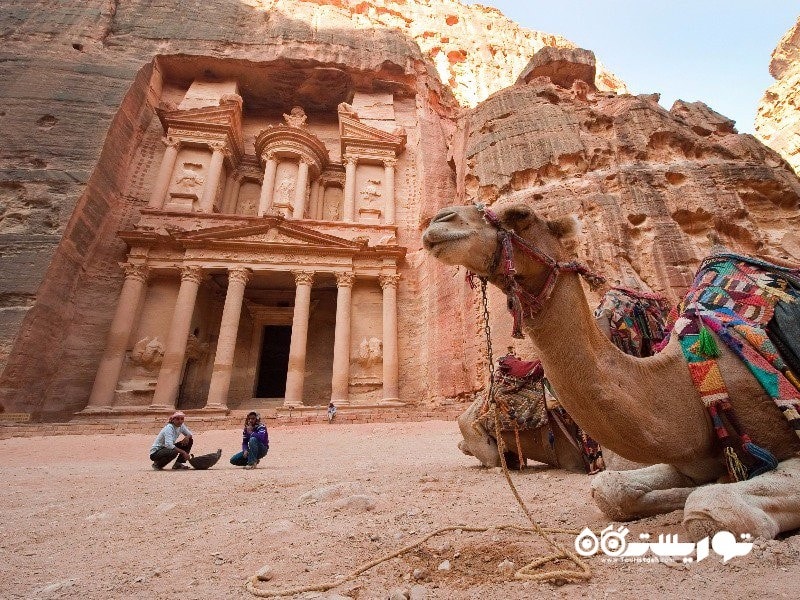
653, 490
763, 506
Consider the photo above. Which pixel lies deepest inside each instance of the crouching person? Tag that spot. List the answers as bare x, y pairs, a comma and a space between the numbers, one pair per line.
255, 442
167, 446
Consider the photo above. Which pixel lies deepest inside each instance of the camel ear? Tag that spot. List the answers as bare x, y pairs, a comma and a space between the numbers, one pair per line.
517, 217
564, 227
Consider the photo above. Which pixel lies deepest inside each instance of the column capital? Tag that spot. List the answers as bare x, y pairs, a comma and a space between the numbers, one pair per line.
345, 279
192, 273
388, 280
171, 142
217, 146
269, 155
303, 277
136, 271
305, 160
390, 162
348, 159
240, 274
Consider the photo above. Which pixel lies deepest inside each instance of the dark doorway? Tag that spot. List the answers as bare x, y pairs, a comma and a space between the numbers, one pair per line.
274, 361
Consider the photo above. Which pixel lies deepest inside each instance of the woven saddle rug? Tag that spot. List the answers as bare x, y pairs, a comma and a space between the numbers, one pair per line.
519, 394
736, 297
636, 319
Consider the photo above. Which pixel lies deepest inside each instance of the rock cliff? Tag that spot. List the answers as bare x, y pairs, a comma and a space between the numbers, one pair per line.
778, 117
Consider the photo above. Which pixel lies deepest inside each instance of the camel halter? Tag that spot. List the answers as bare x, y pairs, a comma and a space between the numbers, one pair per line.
522, 303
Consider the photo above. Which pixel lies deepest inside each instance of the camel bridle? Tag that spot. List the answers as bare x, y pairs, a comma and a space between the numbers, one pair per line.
522, 303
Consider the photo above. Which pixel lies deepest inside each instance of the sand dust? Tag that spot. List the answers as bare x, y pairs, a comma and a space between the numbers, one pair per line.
86, 517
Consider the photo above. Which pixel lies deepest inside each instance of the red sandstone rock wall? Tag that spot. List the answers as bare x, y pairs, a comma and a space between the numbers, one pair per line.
778, 118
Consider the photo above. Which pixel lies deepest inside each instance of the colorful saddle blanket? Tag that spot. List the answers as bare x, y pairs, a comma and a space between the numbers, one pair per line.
736, 297
636, 319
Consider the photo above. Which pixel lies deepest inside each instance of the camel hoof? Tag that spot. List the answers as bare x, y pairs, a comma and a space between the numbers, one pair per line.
717, 507
611, 492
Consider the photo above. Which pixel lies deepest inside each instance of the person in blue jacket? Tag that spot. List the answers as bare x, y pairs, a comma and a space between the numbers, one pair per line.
255, 442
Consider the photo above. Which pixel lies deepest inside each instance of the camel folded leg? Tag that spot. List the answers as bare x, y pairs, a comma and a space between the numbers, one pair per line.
763, 506
653, 490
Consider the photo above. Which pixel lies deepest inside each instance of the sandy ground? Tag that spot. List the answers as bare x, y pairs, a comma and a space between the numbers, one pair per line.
86, 517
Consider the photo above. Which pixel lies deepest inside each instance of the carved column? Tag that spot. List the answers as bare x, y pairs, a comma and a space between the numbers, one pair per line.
388, 190
268, 186
390, 359
105, 382
341, 342
319, 212
214, 174
229, 198
296, 374
169, 376
312, 199
161, 186
226, 343
300, 188
349, 208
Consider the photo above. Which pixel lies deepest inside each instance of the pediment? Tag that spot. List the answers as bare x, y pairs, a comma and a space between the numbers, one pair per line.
353, 131
225, 115
274, 233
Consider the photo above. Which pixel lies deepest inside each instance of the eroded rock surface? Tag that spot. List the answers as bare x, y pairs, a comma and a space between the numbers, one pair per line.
778, 117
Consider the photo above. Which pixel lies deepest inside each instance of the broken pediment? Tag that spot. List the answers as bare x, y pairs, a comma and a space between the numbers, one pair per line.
352, 132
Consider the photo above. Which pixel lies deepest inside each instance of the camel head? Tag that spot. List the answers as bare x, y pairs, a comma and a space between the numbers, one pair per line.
463, 235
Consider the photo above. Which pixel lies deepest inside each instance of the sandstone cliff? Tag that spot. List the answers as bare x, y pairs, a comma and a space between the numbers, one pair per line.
778, 117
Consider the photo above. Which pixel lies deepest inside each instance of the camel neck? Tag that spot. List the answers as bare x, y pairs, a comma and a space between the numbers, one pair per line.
606, 391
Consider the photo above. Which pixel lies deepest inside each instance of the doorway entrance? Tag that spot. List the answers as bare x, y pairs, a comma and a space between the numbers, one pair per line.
274, 362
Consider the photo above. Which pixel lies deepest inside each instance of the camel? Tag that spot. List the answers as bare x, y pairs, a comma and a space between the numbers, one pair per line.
645, 409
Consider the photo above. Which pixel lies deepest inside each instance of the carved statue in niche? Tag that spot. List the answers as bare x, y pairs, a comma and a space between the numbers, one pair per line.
371, 191
284, 191
370, 352
195, 349
147, 353
190, 177
296, 117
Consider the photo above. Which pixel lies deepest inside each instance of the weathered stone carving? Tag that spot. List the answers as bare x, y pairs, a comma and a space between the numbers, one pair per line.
370, 352
147, 353
296, 117
190, 176
372, 191
284, 191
